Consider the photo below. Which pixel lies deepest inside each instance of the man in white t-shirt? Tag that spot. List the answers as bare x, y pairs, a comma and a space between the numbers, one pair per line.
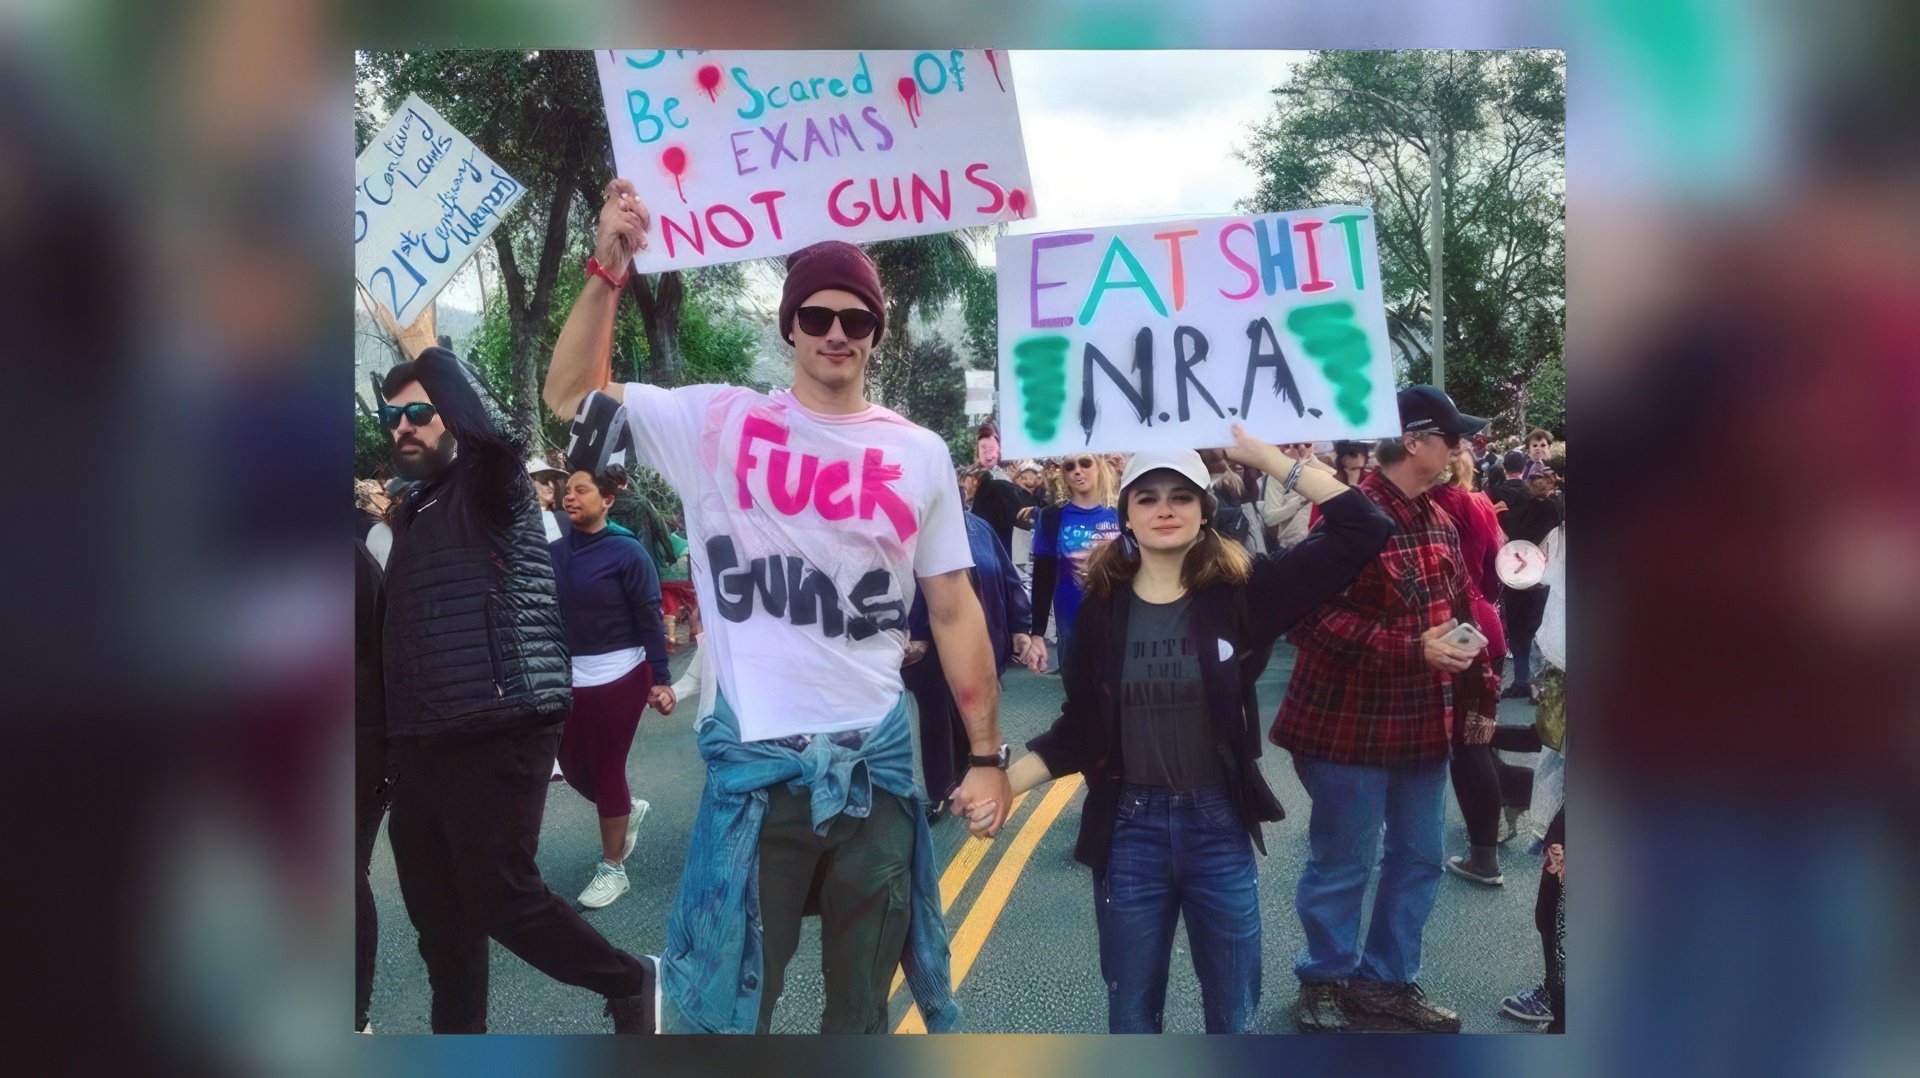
812, 517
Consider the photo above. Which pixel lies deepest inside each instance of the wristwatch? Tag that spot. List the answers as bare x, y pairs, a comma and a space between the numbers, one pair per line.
999, 759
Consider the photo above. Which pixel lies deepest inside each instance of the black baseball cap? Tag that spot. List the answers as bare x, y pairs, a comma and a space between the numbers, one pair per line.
1427, 408
1514, 460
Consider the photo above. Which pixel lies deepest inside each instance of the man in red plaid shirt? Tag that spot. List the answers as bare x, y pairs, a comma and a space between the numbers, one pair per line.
1366, 717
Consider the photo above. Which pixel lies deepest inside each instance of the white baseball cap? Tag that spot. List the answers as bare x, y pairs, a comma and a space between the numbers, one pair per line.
536, 466
1184, 462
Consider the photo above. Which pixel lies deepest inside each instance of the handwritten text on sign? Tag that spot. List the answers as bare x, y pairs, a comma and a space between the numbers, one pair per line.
424, 200
1162, 336
747, 154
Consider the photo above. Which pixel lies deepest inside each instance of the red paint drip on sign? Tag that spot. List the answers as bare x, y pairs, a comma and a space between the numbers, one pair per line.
675, 160
910, 93
995, 64
709, 78
1017, 201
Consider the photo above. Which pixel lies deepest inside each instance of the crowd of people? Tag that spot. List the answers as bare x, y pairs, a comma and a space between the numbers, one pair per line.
846, 590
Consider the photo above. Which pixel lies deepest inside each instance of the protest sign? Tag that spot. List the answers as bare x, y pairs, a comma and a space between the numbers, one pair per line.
424, 200
1163, 335
748, 154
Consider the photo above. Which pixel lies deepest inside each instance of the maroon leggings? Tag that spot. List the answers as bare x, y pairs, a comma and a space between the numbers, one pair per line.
599, 733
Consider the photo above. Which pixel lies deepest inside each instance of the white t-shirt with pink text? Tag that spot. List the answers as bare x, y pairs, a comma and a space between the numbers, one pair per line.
805, 533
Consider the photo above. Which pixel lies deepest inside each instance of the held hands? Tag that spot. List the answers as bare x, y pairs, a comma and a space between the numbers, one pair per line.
622, 228
981, 816
1441, 655
982, 797
1030, 652
661, 699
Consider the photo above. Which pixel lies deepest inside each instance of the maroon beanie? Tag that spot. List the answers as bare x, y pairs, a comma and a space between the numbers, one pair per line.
831, 264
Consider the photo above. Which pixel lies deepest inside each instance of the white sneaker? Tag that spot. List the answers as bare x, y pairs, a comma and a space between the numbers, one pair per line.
608, 883
634, 817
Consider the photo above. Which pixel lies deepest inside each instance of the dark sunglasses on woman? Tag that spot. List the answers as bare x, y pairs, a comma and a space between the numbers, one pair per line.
858, 322
1076, 465
419, 413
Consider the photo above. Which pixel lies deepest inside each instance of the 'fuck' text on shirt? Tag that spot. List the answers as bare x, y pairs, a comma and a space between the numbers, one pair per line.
828, 486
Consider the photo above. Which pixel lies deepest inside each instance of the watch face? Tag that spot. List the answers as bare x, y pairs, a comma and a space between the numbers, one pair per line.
1521, 564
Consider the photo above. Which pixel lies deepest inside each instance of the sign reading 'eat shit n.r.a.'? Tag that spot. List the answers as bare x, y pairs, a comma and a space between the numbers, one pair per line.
1162, 336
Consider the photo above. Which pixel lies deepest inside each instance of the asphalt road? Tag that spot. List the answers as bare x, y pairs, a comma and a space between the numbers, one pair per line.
1020, 918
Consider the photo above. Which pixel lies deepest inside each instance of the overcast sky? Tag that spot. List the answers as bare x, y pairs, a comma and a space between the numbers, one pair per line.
1114, 137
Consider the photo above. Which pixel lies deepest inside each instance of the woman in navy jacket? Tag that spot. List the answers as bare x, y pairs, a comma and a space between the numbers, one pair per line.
1161, 716
610, 605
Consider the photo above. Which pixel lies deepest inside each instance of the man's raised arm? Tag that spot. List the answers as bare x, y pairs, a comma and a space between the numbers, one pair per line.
583, 356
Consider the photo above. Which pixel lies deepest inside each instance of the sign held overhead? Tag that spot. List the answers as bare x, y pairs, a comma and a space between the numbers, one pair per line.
1164, 335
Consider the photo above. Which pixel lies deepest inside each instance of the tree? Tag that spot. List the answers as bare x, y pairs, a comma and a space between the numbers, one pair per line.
1497, 122
920, 275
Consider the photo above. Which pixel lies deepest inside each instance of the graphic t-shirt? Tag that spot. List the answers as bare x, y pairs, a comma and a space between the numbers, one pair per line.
805, 534
1166, 736
1080, 531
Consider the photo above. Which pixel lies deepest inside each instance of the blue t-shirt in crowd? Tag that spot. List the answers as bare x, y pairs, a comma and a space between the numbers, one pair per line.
1080, 531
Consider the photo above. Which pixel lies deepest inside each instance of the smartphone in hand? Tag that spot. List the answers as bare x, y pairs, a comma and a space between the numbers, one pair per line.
1467, 638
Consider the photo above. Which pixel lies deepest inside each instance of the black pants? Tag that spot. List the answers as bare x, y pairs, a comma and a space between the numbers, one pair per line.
369, 804
465, 827
1483, 783
1550, 918
1520, 613
858, 877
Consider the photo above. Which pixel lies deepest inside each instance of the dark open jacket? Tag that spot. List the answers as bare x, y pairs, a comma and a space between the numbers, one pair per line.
472, 640
1235, 628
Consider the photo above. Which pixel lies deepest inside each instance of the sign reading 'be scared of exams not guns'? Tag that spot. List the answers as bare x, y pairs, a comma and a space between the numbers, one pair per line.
1162, 336
743, 155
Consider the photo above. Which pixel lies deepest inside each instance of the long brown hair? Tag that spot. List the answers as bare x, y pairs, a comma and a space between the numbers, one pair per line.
1210, 560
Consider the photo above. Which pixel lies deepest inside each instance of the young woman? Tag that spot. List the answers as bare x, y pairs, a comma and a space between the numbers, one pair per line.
1063, 539
610, 605
1162, 717
1481, 782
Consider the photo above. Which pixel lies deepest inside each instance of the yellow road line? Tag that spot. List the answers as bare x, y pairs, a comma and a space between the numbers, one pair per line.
993, 897
954, 879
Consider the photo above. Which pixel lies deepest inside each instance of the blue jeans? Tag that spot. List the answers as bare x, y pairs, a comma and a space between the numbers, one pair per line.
1178, 855
1353, 807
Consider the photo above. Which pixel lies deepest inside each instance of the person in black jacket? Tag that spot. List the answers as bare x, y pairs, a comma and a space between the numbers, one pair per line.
1162, 717
997, 500
369, 773
477, 687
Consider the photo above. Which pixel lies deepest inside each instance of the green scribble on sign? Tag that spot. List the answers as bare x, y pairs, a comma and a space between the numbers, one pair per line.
1338, 344
1040, 368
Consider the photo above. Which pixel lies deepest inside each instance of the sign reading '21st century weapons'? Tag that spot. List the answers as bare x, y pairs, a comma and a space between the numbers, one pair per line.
1162, 336
424, 200
748, 154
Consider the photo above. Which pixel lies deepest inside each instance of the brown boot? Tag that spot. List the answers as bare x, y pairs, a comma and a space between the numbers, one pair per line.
1401, 1002
1318, 1009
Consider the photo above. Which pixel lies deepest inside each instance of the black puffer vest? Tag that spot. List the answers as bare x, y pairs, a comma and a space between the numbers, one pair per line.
473, 642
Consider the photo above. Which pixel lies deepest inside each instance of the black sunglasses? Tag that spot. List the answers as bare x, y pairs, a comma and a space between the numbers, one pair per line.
419, 413
1076, 465
1452, 440
858, 322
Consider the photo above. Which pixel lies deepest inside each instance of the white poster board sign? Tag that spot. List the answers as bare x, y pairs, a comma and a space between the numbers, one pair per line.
743, 155
1163, 335
424, 200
